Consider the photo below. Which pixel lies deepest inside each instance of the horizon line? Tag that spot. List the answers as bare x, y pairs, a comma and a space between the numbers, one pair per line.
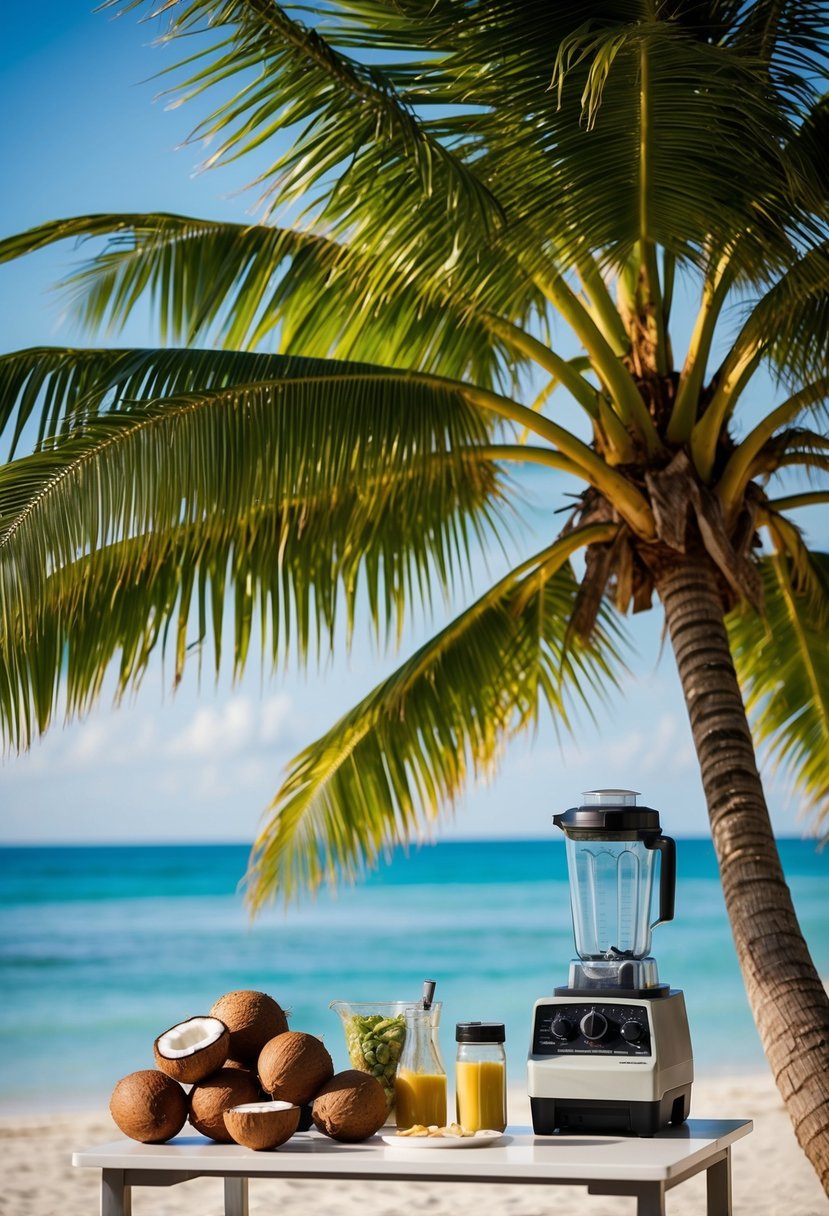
411, 845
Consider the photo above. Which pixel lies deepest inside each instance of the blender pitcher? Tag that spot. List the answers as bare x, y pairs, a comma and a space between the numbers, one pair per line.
611, 851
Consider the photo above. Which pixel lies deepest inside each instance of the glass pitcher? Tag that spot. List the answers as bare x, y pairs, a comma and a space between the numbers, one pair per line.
420, 1082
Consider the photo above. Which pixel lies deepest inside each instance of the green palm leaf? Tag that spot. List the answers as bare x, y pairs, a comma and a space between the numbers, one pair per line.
58, 389
568, 164
244, 285
783, 665
790, 322
283, 573
51, 390
368, 474
345, 117
648, 115
382, 773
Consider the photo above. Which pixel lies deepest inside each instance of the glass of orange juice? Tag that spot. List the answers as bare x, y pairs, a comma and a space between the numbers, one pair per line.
481, 1076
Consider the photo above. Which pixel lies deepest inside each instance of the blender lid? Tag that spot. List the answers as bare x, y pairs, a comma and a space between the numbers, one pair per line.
610, 811
609, 797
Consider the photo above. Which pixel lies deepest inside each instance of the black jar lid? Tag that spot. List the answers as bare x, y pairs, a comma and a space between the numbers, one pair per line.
479, 1032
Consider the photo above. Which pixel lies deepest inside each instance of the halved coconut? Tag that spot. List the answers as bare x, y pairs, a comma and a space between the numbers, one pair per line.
262, 1125
192, 1050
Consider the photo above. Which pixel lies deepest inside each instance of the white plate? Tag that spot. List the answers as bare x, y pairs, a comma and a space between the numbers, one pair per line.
479, 1140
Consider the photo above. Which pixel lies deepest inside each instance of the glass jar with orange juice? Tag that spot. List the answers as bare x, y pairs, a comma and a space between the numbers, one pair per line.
481, 1076
420, 1082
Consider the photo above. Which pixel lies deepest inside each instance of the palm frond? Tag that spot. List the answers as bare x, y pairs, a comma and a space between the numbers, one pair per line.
790, 39
789, 323
382, 774
709, 106
283, 573
393, 464
783, 665
557, 166
31, 373
55, 390
792, 447
248, 285
767, 435
346, 118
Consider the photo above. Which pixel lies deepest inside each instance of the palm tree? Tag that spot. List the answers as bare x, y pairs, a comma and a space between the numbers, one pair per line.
487, 202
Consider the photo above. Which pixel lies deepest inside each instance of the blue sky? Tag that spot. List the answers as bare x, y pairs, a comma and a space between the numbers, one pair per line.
83, 134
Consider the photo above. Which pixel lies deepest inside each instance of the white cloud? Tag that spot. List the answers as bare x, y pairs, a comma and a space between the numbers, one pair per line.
665, 746
232, 728
215, 731
274, 716
90, 745
104, 742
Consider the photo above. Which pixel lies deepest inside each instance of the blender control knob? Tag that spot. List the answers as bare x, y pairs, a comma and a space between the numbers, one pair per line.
632, 1032
593, 1025
562, 1027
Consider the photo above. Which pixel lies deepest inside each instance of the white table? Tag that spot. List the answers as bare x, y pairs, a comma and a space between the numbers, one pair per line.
606, 1165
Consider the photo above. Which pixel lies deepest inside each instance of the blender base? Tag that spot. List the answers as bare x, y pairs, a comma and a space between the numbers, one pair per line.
571, 1115
611, 1064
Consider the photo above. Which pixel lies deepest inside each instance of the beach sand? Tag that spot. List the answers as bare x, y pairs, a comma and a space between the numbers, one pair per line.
771, 1177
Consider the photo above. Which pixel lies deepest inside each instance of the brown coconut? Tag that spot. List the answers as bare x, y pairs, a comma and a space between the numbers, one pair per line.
198, 1046
262, 1125
294, 1066
252, 1019
217, 1093
149, 1106
351, 1107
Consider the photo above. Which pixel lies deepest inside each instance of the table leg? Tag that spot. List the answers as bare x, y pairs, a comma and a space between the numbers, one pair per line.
651, 1199
718, 1182
236, 1197
116, 1195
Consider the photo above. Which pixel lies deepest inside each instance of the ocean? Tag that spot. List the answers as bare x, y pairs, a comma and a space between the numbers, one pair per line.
102, 948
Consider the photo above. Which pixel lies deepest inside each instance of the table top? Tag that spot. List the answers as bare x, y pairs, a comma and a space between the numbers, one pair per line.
519, 1156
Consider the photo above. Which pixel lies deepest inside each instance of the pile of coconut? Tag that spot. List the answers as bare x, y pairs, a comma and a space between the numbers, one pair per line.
251, 1080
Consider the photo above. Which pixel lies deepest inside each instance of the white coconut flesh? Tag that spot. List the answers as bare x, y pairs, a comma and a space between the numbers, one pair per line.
189, 1037
260, 1108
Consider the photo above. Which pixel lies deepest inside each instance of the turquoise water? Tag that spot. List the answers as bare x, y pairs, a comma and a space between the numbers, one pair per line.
103, 948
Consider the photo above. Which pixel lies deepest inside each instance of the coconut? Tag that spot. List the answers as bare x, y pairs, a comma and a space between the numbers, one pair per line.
351, 1107
252, 1019
149, 1106
210, 1098
192, 1050
262, 1125
294, 1066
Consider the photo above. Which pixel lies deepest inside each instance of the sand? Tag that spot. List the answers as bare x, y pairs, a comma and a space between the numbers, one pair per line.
771, 1177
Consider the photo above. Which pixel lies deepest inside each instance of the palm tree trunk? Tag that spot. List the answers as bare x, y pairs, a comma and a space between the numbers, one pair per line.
788, 1000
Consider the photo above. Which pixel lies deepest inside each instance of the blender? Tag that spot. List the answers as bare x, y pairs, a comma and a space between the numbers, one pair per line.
611, 1050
